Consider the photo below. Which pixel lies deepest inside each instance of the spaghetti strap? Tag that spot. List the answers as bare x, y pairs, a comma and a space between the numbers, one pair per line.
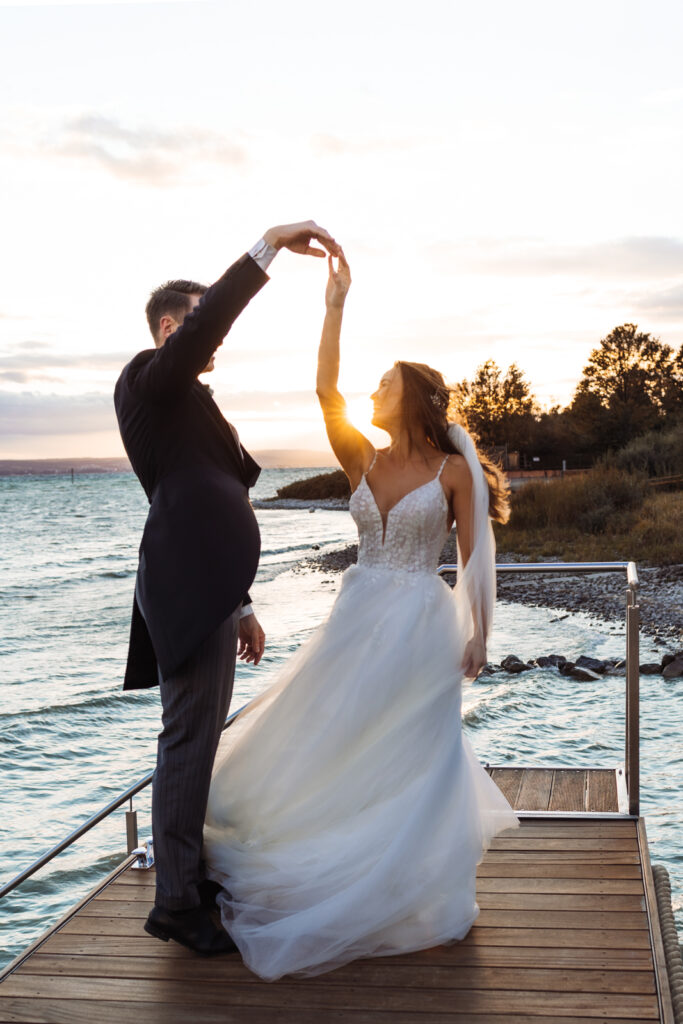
374, 460
438, 475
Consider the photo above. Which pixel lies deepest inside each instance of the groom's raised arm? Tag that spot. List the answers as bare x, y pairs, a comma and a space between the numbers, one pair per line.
177, 363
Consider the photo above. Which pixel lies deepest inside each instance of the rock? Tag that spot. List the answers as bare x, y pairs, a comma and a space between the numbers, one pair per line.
618, 668
513, 664
566, 668
594, 664
668, 658
315, 547
650, 669
584, 674
488, 670
673, 669
544, 662
556, 659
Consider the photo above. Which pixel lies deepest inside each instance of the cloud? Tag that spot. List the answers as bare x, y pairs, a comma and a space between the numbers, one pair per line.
19, 377
638, 258
37, 358
144, 154
27, 413
666, 304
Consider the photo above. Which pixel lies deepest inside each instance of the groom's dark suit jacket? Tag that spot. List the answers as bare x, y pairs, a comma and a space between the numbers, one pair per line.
201, 544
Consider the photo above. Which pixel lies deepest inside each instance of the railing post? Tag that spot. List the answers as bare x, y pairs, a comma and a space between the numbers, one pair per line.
131, 828
632, 702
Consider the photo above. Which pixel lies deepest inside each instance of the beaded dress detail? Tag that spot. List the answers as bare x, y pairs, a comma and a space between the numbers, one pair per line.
347, 811
415, 530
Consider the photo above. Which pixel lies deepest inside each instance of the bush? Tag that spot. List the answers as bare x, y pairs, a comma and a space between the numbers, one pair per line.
590, 502
324, 485
657, 453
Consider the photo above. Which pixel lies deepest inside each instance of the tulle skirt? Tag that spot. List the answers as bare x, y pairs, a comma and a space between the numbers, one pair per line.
347, 812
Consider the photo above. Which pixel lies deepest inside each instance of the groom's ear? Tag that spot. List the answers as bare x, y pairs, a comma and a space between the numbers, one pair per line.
167, 325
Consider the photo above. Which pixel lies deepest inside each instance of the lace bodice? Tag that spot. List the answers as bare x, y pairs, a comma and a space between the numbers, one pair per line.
416, 527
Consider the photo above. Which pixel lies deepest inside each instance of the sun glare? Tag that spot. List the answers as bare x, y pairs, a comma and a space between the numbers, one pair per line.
360, 413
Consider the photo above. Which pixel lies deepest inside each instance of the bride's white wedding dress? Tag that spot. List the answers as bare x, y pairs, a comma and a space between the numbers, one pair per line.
347, 811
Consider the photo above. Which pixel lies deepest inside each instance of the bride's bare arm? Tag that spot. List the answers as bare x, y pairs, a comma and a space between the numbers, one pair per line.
352, 448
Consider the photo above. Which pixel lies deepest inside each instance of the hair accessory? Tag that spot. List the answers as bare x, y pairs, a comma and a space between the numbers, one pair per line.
438, 400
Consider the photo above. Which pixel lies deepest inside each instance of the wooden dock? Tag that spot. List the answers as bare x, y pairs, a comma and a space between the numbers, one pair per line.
568, 934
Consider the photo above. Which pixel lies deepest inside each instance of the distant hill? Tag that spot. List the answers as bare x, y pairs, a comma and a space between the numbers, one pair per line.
47, 467
279, 458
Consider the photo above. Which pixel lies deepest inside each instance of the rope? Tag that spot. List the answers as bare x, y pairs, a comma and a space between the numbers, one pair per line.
672, 950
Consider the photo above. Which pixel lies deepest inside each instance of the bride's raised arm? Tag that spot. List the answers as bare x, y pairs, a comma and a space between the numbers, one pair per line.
352, 448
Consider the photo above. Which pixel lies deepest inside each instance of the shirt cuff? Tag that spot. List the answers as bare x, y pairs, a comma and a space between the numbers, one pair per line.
263, 254
246, 609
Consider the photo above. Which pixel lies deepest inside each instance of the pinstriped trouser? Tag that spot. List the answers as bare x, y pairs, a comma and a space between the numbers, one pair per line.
195, 702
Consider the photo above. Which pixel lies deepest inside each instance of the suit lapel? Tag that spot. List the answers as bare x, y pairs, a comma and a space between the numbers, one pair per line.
248, 469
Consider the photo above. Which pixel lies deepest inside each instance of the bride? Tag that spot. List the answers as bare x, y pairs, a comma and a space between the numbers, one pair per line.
347, 812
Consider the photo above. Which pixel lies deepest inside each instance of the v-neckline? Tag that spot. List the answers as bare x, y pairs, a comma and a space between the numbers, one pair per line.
385, 522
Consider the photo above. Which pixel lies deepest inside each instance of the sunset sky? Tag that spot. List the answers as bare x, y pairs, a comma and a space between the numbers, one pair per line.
505, 179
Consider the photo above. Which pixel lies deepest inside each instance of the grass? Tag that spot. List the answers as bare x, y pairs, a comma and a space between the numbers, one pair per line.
650, 534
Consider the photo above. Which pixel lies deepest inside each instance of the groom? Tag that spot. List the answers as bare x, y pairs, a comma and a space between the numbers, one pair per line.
198, 557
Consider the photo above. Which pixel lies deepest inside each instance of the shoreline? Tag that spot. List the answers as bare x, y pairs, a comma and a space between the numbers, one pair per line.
600, 595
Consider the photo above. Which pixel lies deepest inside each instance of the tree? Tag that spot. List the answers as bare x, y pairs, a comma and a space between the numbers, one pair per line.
499, 409
626, 387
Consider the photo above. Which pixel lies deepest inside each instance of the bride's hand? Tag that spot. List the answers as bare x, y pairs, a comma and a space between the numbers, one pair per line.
338, 282
474, 658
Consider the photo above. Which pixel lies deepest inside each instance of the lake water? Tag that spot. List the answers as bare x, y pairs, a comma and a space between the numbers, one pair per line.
71, 740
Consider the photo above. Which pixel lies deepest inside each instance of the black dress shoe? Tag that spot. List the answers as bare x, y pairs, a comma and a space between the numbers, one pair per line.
208, 891
196, 928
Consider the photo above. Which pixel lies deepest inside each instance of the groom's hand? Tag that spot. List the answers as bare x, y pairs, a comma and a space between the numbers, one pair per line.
252, 640
298, 237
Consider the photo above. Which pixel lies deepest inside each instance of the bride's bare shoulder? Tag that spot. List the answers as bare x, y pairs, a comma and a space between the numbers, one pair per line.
456, 472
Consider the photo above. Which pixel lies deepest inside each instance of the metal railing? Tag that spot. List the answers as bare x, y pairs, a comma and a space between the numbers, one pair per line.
632, 710
131, 824
547, 568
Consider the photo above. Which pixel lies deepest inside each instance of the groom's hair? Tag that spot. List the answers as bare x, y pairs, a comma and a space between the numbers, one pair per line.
170, 299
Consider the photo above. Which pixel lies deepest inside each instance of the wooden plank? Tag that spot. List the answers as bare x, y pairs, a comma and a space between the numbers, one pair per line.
60, 1011
598, 827
530, 868
377, 973
534, 792
568, 791
601, 792
664, 992
577, 885
584, 844
561, 919
559, 901
454, 954
508, 781
502, 857
587, 938
135, 912
304, 995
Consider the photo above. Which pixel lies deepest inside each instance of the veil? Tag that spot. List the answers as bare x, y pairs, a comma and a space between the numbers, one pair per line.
475, 590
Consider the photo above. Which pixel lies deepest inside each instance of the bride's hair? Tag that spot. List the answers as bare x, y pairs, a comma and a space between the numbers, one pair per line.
428, 406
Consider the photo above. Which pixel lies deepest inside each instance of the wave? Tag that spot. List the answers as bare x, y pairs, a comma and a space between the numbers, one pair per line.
86, 704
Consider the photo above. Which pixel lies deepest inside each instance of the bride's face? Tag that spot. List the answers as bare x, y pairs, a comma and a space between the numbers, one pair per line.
386, 400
